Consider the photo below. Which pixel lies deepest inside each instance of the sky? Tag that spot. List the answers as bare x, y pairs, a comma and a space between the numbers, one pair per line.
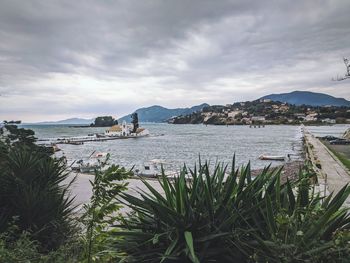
84, 58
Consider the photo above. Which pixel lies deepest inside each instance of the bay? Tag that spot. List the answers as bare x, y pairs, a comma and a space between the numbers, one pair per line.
179, 144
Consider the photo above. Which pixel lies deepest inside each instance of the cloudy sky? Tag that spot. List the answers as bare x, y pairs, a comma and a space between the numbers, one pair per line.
82, 58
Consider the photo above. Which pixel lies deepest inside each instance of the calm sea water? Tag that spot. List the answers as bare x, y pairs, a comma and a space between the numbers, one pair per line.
179, 144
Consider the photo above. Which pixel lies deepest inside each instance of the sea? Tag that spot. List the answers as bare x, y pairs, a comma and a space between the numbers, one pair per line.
184, 144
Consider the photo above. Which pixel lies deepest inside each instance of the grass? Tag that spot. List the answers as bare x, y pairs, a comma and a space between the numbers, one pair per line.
342, 158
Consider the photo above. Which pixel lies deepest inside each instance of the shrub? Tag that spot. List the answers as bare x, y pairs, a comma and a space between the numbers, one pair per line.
220, 217
33, 188
24, 249
101, 212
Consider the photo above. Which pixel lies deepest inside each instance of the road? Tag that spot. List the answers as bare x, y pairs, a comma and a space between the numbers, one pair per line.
332, 174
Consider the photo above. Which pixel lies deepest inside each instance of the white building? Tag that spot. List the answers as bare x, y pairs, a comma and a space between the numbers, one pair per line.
328, 120
232, 114
265, 100
258, 118
311, 117
125, 130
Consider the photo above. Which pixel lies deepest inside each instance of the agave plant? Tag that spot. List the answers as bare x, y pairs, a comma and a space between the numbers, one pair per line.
221, 217
33, 190
302, 226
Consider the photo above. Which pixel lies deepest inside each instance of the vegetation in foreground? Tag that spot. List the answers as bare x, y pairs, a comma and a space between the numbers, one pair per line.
234, 218
217, 216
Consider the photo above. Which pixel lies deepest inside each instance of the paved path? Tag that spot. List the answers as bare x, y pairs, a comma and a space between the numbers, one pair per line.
332, 174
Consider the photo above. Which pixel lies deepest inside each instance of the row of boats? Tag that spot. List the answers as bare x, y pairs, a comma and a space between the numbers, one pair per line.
150, 169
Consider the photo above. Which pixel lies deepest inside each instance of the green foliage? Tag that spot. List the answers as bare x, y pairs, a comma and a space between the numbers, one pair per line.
220, 217
11, 137
342, 157
102, 212
19, 135
105, 121
21, 249
24, 249
32, 189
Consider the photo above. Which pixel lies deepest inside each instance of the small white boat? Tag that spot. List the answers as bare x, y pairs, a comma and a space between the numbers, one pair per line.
153, 168
90, 164
272, 157
99, 155
85, 166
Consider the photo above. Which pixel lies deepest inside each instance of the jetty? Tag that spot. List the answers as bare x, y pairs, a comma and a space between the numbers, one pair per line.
81, 140
332, 175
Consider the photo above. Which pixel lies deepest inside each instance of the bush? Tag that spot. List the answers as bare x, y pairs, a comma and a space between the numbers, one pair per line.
33, 189
24, 249
102, 211
220, 217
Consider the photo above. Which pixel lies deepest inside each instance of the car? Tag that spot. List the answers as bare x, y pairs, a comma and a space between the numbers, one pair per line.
329, 138
340, 142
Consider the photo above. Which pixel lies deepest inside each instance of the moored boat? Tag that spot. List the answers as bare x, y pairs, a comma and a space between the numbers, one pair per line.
153, 168
90, 164
272, 157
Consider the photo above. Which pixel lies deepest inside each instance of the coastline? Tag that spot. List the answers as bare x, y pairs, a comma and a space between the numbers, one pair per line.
81, 188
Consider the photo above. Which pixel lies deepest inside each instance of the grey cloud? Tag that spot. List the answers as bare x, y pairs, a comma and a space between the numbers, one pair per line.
183, 45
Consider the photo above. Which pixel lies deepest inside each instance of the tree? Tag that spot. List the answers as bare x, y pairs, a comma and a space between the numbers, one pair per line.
135, 121
104, 121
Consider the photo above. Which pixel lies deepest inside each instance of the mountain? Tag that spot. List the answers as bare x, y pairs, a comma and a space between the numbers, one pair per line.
70, 121
308, 98
160, 114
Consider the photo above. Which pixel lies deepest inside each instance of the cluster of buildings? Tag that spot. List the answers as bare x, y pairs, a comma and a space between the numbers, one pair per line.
265, 111
271, 113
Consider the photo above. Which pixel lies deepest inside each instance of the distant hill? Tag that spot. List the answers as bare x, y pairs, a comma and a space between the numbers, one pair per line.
160, 114
308, 98
70, 121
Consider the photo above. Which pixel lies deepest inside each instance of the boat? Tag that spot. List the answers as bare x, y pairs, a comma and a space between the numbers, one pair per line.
85, 166
99, 155
272, 157
91, 163
75, 142
153, 169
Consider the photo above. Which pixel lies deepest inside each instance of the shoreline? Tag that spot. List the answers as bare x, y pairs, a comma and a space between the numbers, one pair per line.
81, 188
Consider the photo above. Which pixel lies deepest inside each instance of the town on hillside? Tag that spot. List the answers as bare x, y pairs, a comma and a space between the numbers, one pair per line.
265, 111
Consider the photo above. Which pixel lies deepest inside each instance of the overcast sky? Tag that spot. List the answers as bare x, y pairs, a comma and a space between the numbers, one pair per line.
61, 59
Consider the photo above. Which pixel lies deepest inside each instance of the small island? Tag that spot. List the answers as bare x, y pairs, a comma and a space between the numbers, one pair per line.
104, 121
101, 121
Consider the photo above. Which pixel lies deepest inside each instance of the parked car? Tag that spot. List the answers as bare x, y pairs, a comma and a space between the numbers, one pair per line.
340, 142
329, 138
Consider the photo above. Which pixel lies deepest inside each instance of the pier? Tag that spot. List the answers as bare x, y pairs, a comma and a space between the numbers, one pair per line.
81, 140
332, 175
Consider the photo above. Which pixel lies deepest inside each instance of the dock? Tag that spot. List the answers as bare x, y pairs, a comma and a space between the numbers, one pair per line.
81, 140
332, 175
